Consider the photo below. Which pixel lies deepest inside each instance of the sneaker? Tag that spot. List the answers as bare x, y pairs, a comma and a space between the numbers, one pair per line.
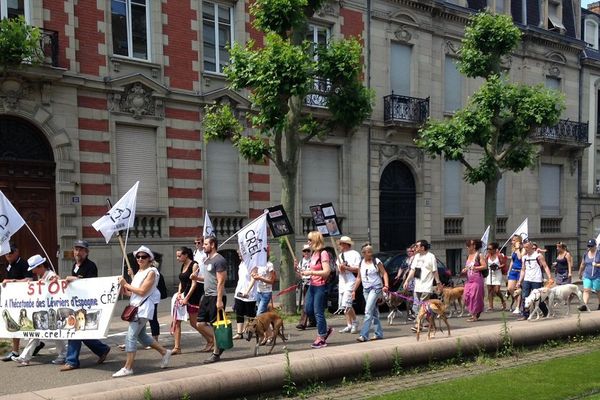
354, 328
122, 372
346, 329
9, 356
23, 363
329, 332
102, 358
517, 311
67, 367
300, 327
582, 307
212, 359
375, 337
318, 344
38, 348
58, 361
165, 359
361, 339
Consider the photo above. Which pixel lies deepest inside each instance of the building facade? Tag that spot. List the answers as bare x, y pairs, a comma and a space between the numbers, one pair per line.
121, 97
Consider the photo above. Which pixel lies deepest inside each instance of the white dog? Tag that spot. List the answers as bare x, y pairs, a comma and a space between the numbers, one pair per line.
563, 293
533, 301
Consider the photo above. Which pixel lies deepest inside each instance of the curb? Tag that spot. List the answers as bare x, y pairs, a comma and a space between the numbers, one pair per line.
265, 374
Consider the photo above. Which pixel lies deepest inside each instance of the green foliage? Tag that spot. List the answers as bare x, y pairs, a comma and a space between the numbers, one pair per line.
147, 393
367, 373
339, 62
487, 39
220, 123
350, 105
289, 386
397, 363
19, 42
252, 148
278, 16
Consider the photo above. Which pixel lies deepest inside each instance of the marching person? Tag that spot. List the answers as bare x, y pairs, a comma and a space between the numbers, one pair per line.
83, 268
348, 261
563, 266
317, 290
143, 290
37, 265
590, 272
17, 271
264, 277
495, 261
531, 275
245, 298
304, 284
474, 292
514, 270
188, 294
424, 271
214, 299
374, 279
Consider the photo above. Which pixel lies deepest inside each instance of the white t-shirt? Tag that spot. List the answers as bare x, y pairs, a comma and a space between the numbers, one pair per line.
369, 274
264, 272
347, 279
428, 265
145, 310
533, 270
243, 282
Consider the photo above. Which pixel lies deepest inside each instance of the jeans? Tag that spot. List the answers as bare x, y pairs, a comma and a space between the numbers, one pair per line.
315, 307
371, 313
137, 332
74, 348
262, 301
526, 288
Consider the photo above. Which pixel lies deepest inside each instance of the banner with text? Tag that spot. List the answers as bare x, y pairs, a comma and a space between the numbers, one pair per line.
81, 309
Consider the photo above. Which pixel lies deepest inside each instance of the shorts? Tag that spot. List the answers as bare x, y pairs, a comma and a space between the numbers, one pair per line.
244, 308
345, 299
514, 274
192, 309
208, 308
593, 284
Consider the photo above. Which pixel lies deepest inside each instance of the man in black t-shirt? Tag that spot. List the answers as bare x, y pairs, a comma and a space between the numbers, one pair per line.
82, 269
16, 271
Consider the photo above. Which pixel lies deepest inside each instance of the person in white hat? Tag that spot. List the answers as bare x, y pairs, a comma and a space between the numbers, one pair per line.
348, 263
38, 267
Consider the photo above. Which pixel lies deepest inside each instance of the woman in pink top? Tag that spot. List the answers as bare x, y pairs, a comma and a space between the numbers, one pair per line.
316, 295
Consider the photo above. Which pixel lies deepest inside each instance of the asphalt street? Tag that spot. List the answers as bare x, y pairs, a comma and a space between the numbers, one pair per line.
41, 374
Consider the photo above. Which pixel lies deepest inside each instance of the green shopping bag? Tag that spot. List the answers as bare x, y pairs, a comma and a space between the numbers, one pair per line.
223, 331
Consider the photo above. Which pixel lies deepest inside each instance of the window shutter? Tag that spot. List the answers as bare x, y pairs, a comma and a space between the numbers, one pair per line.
501, 197
222, 185
452, 86
320, 176
550, 189
400, 69
452, 187
136, 161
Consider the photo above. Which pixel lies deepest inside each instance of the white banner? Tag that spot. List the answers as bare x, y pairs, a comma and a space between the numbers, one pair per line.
252, 240
81, 309
121, 215
207, 229
598, 240
485, 238
10, 222
522, 230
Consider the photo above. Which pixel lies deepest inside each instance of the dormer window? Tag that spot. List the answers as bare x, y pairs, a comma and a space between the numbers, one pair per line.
555, 16
591, 33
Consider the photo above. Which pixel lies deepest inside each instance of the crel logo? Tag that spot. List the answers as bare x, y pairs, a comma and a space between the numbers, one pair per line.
3, 221
119, 214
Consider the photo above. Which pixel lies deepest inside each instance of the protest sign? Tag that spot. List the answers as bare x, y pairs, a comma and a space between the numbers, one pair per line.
278, 221
325, 219
81, 309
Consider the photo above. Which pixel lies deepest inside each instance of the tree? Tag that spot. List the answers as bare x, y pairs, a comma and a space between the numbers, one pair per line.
499, 118
279, 75
19, 43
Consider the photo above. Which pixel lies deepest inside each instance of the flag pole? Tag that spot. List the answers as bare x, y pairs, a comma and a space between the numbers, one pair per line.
241, 229
289, 245
122, 244
43, 249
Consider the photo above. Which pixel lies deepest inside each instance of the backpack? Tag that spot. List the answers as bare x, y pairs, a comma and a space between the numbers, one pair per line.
503, 263
477, 263
331, 277
162, 287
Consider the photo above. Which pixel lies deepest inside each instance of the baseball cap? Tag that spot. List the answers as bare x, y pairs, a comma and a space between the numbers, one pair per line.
591, 243
81, 243
306, 248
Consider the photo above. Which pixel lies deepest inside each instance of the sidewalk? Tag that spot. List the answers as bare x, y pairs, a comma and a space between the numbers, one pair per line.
247, 376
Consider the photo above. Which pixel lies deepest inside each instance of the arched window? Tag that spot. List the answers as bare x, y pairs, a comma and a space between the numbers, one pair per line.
591, 33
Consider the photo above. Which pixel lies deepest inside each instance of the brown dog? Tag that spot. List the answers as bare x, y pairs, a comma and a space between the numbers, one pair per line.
259, 327
429, 309
452, 295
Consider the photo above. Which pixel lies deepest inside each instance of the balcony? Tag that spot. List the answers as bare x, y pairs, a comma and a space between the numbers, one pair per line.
453, 226
405, 109
565, 133
147, 226
318, 95
550, 225
227, 225
49, 46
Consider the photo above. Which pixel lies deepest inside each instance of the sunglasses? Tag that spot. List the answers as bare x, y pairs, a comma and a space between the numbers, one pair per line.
141, 257
198, 242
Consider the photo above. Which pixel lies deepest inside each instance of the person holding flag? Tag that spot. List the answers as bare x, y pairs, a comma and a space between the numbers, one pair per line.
514, 271
589, 270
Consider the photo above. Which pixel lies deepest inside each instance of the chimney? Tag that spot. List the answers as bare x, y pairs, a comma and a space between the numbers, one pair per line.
594, 7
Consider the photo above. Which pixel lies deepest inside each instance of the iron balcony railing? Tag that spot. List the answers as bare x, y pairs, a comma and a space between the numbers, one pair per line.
318, 95
49, 46
564, 131
397, 108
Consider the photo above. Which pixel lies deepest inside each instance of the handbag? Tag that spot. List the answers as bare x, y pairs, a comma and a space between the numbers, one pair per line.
130, 312
223, 331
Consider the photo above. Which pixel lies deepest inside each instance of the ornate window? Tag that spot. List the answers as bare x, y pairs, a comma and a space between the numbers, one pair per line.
14, 8
217, 34
591, 33
453, 86
131, 28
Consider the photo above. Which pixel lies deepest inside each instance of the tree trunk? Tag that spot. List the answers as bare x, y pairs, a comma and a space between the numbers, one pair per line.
287, 272
491, 194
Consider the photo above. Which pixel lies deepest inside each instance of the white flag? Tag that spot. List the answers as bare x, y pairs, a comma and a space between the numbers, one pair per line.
207, 229
252, 240
522, 230
121, 215
485, 237
10, 222
597, 241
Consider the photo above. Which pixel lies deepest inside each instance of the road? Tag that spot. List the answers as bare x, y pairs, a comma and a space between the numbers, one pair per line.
41, 374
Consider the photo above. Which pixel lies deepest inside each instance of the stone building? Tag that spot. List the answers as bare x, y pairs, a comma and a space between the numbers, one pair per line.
121, 96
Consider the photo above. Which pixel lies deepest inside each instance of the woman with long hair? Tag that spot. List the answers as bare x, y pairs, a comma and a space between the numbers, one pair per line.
188, 294
474, 292
514, 270
374, 279
316, 296
563, 266
495, 260
143, 291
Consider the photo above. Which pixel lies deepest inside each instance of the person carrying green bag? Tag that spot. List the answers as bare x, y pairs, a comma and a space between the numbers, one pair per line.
223, 331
